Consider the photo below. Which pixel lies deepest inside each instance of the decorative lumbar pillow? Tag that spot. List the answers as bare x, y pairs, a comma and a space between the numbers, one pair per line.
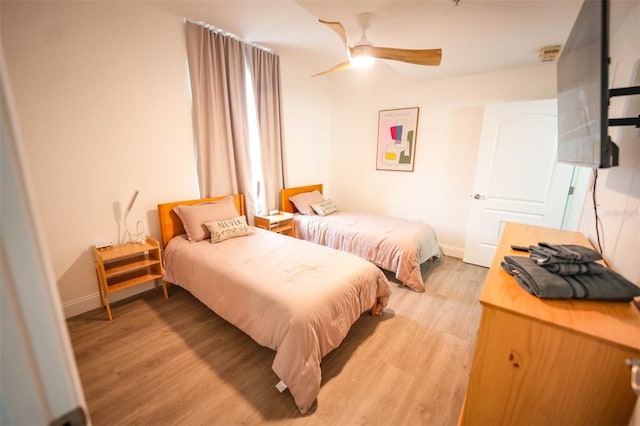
304, 200
324, 208
224, 229
194, 216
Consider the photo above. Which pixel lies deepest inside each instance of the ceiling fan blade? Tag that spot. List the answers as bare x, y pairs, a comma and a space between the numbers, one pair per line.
412, 56
339, 29
339, 67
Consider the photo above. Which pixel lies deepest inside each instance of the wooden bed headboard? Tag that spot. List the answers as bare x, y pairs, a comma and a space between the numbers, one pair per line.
286, 193
170, 223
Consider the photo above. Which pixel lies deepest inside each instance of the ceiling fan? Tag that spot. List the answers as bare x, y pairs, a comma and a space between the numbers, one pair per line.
363, 53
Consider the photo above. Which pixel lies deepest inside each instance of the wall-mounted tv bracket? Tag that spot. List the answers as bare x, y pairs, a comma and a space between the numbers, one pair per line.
625, 91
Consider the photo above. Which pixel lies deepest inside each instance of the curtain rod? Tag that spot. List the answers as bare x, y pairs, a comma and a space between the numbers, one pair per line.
229, 34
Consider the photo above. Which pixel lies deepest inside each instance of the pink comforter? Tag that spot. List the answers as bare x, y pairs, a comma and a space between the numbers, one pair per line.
397, 245
296, 298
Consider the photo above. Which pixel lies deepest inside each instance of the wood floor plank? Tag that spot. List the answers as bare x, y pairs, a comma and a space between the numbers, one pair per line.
176, 362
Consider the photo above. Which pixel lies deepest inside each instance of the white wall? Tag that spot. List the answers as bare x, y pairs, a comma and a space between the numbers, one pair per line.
103, 104
307, 116
450, 119
618, 189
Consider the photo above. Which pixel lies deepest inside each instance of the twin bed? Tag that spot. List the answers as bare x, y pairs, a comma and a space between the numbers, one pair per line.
396, 245
297, 298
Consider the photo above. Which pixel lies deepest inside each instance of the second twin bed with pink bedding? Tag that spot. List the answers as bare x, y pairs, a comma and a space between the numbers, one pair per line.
396, 245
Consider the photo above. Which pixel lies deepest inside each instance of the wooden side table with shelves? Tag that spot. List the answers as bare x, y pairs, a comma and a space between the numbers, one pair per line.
281, 223
127, 265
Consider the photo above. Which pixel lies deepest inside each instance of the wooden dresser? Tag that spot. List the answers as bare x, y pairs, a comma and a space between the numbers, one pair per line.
549, 362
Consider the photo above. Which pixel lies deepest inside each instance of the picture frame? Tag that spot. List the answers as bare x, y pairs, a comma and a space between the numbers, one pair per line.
397, 135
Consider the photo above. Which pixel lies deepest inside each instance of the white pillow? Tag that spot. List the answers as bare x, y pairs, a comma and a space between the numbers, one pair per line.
324, 208
225, 229
304, 200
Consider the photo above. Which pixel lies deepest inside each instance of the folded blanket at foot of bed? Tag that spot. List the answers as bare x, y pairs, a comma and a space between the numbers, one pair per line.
606, 285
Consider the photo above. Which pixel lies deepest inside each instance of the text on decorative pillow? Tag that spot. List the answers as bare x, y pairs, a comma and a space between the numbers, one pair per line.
324, 208
225, 229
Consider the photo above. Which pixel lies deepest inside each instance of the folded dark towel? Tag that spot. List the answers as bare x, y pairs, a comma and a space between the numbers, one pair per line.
536, 279
607, 285
547, 254
575, 268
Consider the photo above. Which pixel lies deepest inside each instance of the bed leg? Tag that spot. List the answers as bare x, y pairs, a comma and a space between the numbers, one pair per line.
374, 308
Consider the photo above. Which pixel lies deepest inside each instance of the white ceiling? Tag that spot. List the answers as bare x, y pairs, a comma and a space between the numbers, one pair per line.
476, 35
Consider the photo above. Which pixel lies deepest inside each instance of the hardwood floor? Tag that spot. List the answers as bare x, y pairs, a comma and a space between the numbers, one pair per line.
176, 362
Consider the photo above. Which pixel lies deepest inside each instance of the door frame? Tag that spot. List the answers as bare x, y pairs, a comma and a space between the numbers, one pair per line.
40, 380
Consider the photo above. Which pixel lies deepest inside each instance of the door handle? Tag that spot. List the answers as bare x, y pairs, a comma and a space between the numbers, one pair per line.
478, 196
634, 365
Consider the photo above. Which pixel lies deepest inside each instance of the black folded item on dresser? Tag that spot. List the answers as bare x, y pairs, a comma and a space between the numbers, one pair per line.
548, 254
537, 280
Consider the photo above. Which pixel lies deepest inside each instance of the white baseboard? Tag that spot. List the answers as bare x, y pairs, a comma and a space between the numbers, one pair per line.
92, 301
81, 305
452, 251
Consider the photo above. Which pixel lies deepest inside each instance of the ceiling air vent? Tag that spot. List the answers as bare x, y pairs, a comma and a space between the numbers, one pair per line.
549, 53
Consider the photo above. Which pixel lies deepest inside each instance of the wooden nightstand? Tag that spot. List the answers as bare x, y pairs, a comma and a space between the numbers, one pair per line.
126, 265
281, 223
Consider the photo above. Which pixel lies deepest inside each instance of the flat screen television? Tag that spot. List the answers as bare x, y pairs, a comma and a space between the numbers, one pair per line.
583, 91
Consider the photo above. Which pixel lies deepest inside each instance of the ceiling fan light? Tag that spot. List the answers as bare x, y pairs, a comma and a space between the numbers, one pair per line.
362, 61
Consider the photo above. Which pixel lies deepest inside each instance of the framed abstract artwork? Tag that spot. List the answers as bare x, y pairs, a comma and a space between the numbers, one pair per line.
397, 131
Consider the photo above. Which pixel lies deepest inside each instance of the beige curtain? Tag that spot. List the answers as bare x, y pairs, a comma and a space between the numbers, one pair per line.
220, 115
217, 74
265, 70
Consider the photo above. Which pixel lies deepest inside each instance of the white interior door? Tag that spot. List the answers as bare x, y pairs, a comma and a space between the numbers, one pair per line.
517, 176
